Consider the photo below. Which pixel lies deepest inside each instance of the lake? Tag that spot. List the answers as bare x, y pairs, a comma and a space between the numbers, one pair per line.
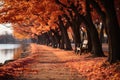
9, 52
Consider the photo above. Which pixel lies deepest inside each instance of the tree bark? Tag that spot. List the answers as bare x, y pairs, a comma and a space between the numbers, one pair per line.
110, 22
113, 31
96, 45
89, 41
64, 34
101, 34
76, 35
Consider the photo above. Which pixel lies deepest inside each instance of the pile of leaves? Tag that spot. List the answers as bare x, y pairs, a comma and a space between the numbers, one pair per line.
96, 68
16, 68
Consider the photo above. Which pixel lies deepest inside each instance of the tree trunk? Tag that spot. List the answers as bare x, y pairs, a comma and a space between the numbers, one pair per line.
53, 40
64, 34
89, 41
76, 35
67, 40
96, 45
110, 22
57, 37
113, 31
101, 33
62, 43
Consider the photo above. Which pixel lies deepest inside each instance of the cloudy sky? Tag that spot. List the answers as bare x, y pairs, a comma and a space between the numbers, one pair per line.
5, 28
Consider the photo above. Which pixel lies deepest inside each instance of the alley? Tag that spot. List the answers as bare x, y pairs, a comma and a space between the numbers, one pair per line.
51, 65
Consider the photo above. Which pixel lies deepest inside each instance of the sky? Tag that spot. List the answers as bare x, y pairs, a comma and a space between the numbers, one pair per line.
5, 28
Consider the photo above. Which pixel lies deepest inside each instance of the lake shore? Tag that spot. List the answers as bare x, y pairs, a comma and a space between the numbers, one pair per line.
13, 68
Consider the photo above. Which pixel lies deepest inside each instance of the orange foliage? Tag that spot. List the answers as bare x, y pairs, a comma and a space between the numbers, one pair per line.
16, 68
37, 14
96, 68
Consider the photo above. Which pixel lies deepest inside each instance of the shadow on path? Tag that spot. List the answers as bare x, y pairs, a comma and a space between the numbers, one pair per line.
51, 65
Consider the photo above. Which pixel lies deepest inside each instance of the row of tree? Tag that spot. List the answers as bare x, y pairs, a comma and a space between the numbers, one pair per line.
48, 22
5, 39
10, 39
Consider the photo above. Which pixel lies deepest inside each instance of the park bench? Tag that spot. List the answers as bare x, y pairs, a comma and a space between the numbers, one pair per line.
83, 47
78, 50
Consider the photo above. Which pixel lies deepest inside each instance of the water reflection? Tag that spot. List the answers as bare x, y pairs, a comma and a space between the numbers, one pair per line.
9, 52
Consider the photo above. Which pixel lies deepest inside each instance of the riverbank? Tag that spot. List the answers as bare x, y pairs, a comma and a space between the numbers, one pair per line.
46, 63
13, 69
12, 52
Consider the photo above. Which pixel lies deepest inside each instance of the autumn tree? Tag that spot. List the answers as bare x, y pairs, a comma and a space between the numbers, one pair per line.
106, 9
80, 13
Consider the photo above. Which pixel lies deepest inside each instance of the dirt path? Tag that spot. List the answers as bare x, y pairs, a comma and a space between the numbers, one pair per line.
51, 65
